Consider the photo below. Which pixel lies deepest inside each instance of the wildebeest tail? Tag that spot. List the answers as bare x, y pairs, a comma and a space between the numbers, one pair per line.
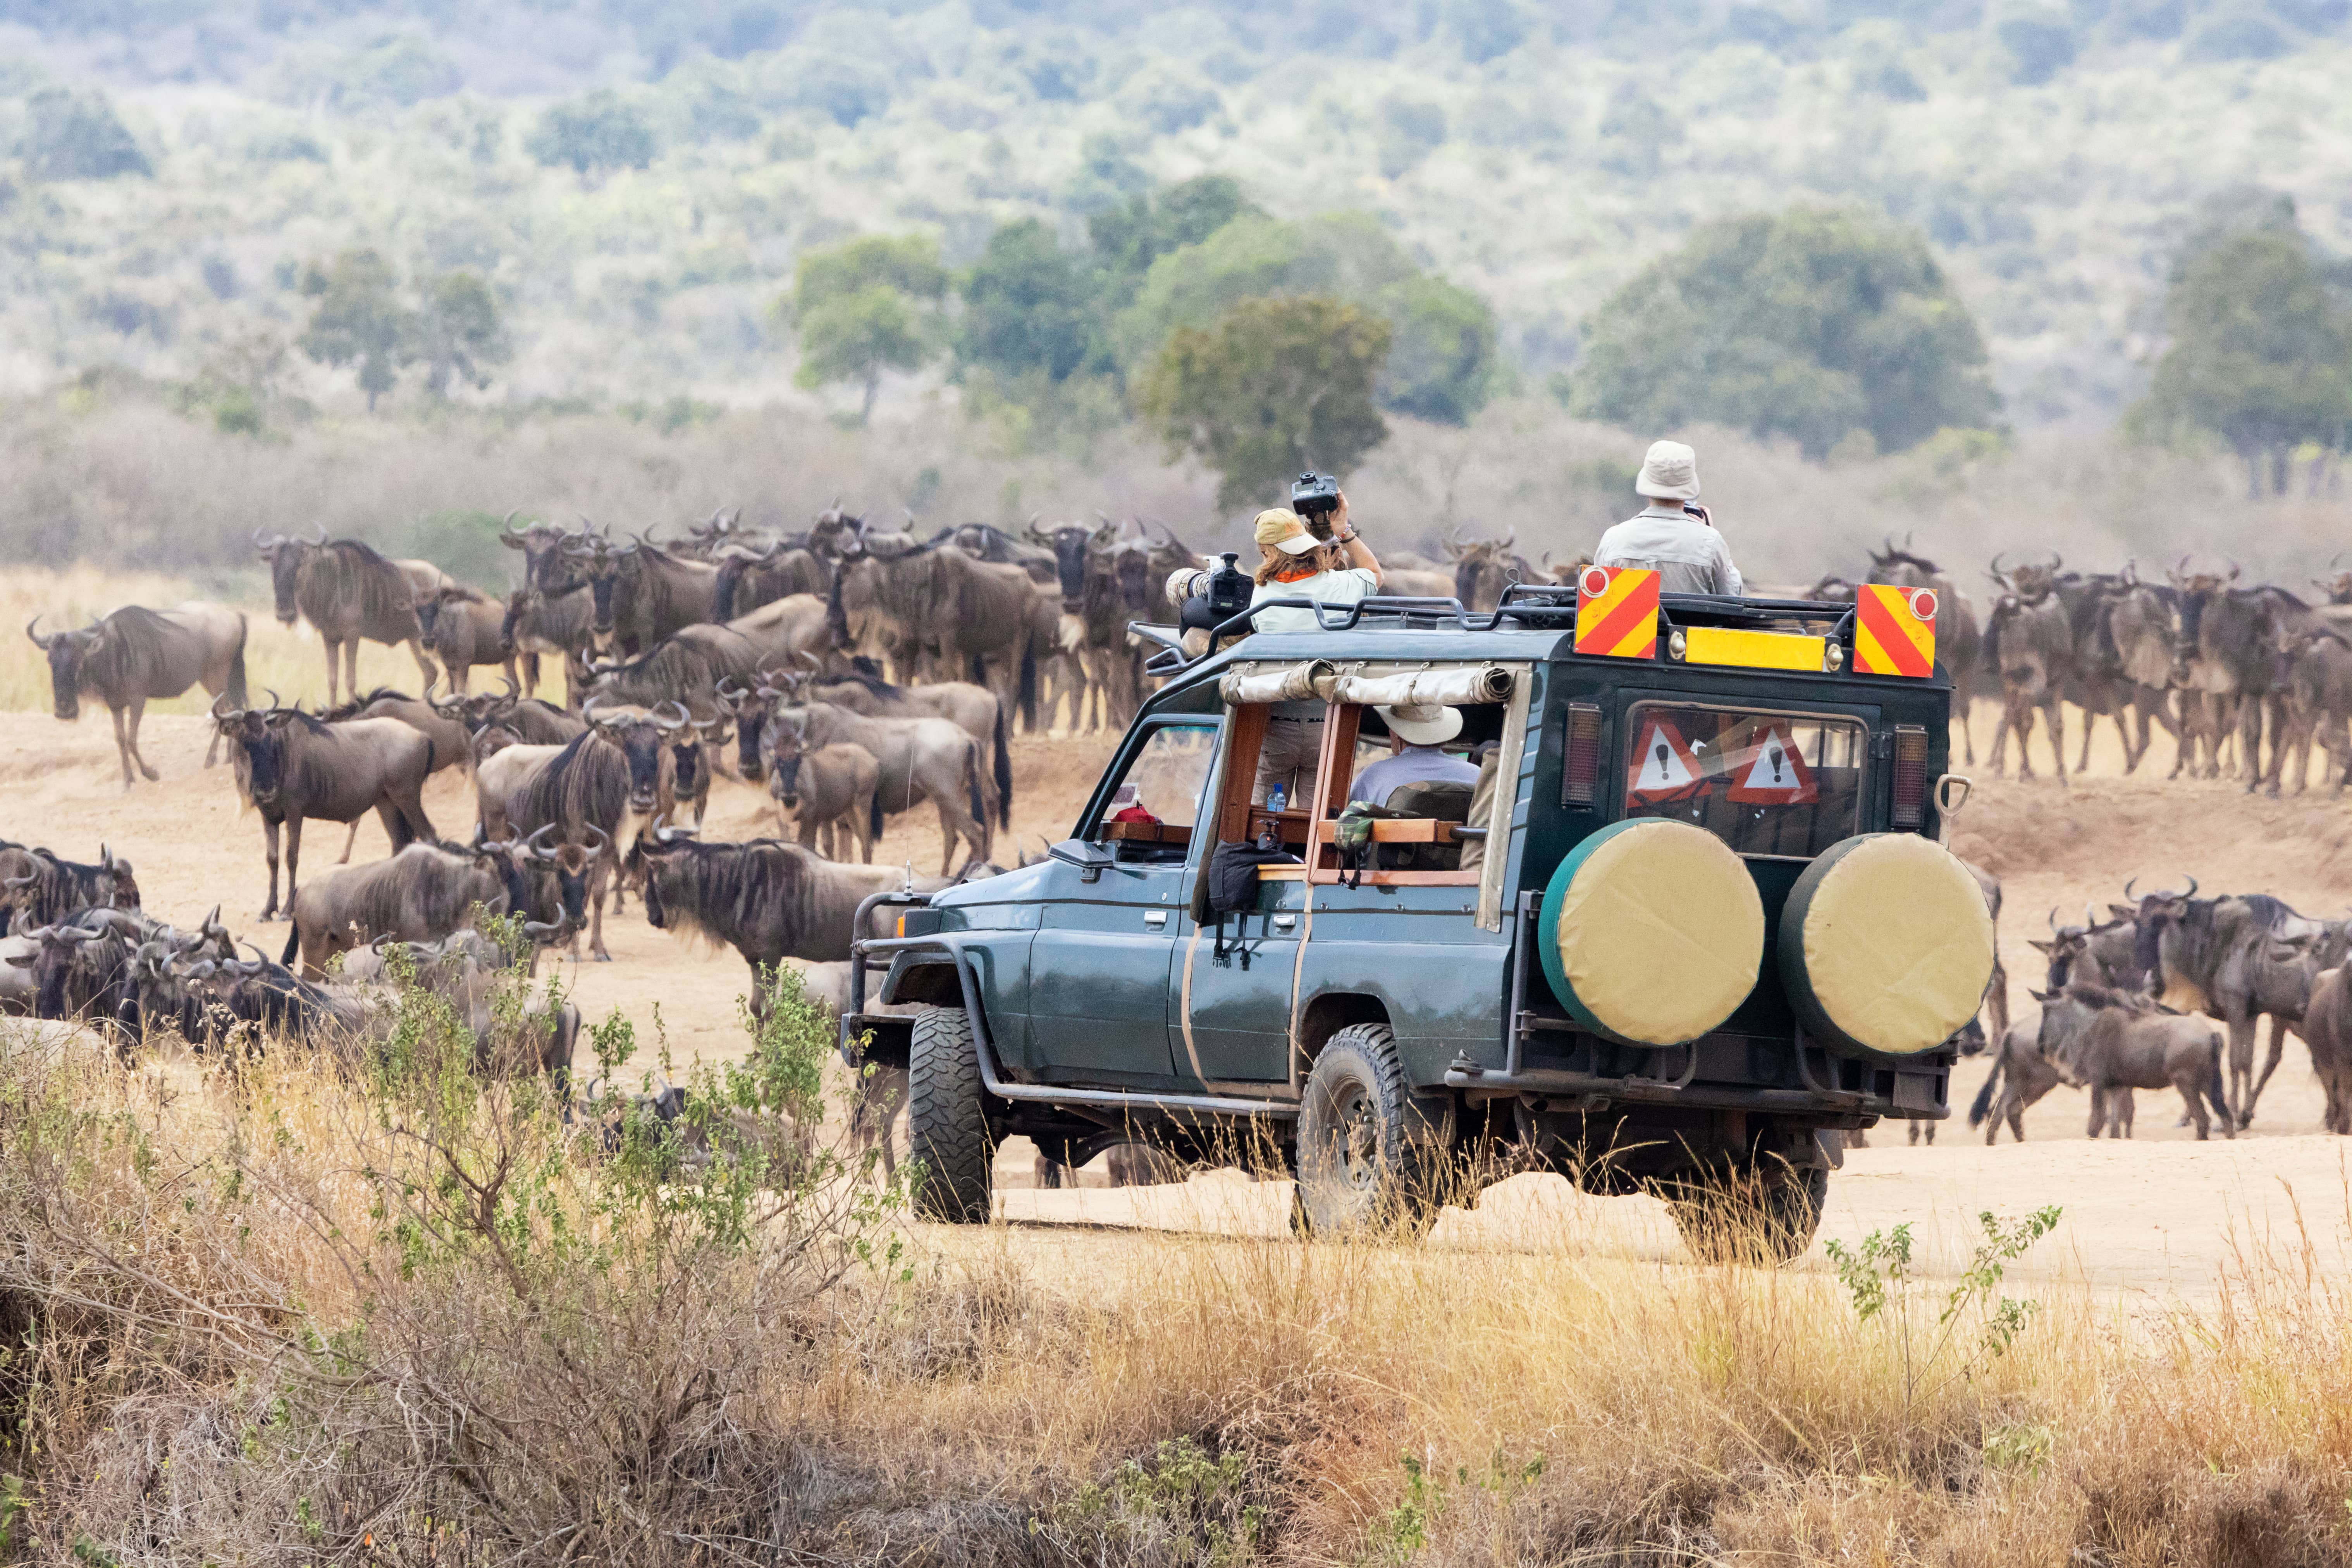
1029, 685
2214, 1091
723, 593
873, 814
1983, 1105
972, 776
1003, 773
293, 941
235, 692
837, 613
975, 671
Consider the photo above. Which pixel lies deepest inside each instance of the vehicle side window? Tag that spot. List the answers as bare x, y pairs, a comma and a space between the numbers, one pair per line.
1157, 802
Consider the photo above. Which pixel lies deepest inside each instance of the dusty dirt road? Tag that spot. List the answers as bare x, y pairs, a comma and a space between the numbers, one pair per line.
2157, 1216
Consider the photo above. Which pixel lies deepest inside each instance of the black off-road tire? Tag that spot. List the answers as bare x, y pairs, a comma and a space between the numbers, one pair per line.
1760, 1218
1360, 1173
947, 1120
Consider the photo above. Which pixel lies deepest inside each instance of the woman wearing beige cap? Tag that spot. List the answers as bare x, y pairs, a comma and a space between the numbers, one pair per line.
1297, 565
1677, 541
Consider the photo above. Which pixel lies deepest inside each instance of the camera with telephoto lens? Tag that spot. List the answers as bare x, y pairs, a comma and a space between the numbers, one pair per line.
1215, 597
1314, 497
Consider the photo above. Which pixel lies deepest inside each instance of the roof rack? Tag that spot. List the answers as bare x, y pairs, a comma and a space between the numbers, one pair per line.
1537, 606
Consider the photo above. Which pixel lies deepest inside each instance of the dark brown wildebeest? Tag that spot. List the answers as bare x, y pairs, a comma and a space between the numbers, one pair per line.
921, 759
2031, 643
562, 624
136, 655
2234, 959
982, 619
647, 740
750, 578
2120, 1042
446, 731
583, 790
1482, 568
37, 888
545, 567
538, 1028
421, 894
2021, 1076
2105, 952
832, 788
349, 592
465, 628
2226, 651
2327, 1030
684, 667
641, 593
290, 766
2315, 708
2140, 627
768, 900
986, 542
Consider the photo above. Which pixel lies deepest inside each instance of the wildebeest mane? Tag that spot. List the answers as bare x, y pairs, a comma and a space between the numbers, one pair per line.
586, 783
352, 709
135, 656
350, 586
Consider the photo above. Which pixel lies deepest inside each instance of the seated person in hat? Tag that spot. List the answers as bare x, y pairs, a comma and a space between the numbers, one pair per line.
1416, 732
1677, 541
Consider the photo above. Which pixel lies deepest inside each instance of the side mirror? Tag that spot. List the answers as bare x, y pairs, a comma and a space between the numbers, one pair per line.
1089, 857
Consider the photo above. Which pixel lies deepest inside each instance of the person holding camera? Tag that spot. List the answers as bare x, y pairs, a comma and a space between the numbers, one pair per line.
1320, 556
1672, 536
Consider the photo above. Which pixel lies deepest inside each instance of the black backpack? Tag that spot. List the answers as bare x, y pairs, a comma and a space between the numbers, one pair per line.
1229, 887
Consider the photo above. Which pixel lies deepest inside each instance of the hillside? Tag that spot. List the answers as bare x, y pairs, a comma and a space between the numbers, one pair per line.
1537, 154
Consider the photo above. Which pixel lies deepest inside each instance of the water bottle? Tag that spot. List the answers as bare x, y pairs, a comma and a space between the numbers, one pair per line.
1278, 798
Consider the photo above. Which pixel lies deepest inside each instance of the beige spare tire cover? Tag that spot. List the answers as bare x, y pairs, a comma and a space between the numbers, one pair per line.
1652, 932
1885, 945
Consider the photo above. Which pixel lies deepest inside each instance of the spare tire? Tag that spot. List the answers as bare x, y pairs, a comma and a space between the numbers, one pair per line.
1887, 946
1652, 932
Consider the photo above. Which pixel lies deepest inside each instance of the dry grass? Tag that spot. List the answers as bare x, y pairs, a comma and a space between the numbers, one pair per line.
252, 1323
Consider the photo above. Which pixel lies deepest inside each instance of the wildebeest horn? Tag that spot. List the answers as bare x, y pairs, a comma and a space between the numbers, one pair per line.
2054, 918
532, 847
2037, 996
2090, 916
507, 535
14, 882
2192, 889
599, 849
2127, 888
665, 834
729, 702
39, 640
1996, 560
667, 724
541, 932
322, 534
1511, 537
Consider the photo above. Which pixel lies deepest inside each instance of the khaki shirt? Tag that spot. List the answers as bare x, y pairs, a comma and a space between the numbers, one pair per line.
1688, 556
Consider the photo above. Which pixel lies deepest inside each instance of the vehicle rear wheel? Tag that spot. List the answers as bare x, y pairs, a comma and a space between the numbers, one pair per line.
1359, 1171
946, 1120
1748, 1217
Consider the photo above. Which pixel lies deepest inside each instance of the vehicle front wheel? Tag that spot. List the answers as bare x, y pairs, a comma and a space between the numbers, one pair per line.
1748, 1217
947, 1119
1359, 1170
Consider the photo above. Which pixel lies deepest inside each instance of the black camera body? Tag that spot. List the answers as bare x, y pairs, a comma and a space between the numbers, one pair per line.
1314, 497
1227, 595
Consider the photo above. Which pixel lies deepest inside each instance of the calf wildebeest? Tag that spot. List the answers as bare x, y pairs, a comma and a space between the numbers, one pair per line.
42, 889
768, 900
137, 655
465, 628
421, 894
349, 592
583, 791
2119, 1043
2021, 1075
562, 622
469, 970
2030, 644
290, 766
982, 618
921, 759
830, 789
641, 593
2234, 959
881, 1093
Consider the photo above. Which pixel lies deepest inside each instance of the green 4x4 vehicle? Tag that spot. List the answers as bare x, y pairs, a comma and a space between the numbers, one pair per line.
1691, 922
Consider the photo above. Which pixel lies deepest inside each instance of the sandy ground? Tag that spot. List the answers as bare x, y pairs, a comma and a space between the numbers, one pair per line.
2159, 1216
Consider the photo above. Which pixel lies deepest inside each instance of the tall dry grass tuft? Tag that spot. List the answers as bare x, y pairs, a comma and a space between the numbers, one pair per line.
404, 1311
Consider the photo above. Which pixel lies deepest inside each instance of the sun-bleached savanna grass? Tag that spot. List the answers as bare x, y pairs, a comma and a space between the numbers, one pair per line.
280, 1313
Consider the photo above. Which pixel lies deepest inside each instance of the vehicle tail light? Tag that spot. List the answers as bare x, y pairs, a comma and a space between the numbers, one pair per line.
1910, 776
1581, 755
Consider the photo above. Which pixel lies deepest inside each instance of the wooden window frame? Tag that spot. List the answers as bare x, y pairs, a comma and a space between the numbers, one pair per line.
1335, 772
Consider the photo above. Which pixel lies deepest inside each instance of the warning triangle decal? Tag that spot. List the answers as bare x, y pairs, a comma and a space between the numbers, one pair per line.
1776, 774
1664, 768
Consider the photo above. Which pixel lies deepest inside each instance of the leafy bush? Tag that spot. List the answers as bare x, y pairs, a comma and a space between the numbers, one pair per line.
592, 135
76, 135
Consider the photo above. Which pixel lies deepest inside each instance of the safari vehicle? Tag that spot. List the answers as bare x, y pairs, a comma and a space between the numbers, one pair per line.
1694, 922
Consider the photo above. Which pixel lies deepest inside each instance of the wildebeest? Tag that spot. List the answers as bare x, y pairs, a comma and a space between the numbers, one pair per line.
921, 759
982, 620
684, 667
2118, 1043
2315, 708
2233, 958
421, 894
349, 592
525, 718
42, 889
830, 789
748, 579
545, 567
1960, 641
136, 655
562, 622
444, 730
1482, 568
465, 628
469, 970
2021, 1075
583, 791
642, 594
2328, 1029
2105, 952
2031, 643
2226, 649
973, 708
290, 766
768, 900
2140, 623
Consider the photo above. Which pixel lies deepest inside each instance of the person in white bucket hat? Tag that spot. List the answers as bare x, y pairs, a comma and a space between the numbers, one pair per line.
1670, 536
1416, 732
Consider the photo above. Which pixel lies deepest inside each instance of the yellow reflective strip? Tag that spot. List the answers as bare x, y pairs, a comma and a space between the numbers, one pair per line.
1752, 650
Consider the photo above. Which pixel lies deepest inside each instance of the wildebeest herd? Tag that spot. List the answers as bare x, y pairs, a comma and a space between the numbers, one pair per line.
859, 672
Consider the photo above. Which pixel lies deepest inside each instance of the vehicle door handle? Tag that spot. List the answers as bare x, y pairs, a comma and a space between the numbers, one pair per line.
1155, 918
1283, 923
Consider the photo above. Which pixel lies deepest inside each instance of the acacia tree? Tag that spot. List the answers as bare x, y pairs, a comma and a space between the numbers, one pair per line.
865, 307
459, 334
2261, 353
1275, 386
359, 321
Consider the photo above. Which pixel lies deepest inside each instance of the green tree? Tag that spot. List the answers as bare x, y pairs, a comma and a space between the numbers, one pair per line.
866, 306
459, 334
1128, 239
593, 134
1274, 387
2261, 353
359, 321
1030, 307
1811, 323
75, 135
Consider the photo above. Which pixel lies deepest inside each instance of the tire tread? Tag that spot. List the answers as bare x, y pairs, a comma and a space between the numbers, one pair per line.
946, 1120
